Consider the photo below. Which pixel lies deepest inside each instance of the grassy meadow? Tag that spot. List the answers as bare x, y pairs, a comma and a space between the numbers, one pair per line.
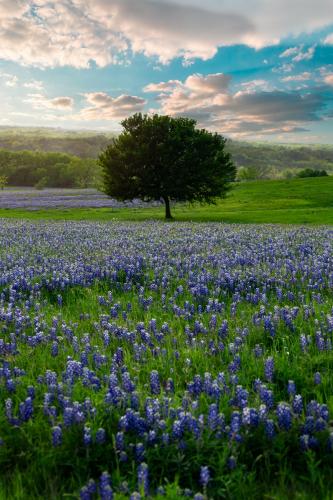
295, 201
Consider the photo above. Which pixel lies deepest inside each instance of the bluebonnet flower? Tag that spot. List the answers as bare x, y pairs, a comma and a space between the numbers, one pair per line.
269, 428
139, 452
309, 424
250, 416
213, 416
170, 387
204, 475
143, 481
317, 378
284, 416
269, 368
85, 493
120, 442
291, 388
320, 424
100, 436
26, 410
155, 386
31, 391
257, 351
56, 435
105, 489
298, 404
87, 439
266, 396
135, 496
303, 343
235, 423
54, 349
10, 385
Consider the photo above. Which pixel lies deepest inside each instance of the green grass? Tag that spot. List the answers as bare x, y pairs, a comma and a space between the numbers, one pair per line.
296, 201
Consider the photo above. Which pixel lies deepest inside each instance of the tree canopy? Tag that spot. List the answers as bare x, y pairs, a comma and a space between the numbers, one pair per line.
37, 168
159, 157
309, 172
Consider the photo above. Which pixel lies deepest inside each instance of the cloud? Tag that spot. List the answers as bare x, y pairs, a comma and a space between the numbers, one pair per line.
34, 84
105, 107
253, 86
162, 86
49, 33
194, 94
298, 54
12, 8
9, 79
254, 107
297, 78
290, 52
39, 101
329, 79
329, 39
305, 56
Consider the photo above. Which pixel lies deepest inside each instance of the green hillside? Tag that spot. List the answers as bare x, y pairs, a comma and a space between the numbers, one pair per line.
272, 160
296, 201
269, 160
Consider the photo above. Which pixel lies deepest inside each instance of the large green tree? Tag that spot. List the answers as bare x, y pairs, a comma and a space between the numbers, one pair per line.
160, 157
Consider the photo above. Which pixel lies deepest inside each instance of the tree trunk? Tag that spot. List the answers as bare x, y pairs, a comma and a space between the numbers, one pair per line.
168, 215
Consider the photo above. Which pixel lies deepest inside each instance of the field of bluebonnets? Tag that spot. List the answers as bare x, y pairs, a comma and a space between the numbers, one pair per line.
34, 199
165, 361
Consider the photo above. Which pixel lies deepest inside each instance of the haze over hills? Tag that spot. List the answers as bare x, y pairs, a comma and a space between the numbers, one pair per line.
269, 159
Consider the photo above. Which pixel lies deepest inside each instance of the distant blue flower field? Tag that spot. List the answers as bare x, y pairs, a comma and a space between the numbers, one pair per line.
34, 199
165, 360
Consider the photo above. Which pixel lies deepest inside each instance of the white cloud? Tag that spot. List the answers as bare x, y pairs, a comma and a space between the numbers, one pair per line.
329, 39
50, 33
305, 56
297, 78
298, 54
162, 86
254, 108
290, 52
196, 92
34, 84
40, 101
9, 79
254, 86
105, 107
286, 68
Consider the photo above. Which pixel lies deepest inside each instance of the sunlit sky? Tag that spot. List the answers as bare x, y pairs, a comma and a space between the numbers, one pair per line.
249, 69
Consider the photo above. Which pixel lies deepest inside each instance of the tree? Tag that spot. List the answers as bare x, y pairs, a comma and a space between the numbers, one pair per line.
252, 173
309, 172
159, 157
3, 181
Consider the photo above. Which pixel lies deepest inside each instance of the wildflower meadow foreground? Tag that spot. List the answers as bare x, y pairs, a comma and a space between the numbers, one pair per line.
162, 360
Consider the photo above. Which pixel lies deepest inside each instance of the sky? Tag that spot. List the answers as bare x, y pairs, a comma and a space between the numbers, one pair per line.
249, 69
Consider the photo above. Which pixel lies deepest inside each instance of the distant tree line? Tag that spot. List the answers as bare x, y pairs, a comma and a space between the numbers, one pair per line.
53, 157
80, 143
274, 161
310, 172
41, 169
